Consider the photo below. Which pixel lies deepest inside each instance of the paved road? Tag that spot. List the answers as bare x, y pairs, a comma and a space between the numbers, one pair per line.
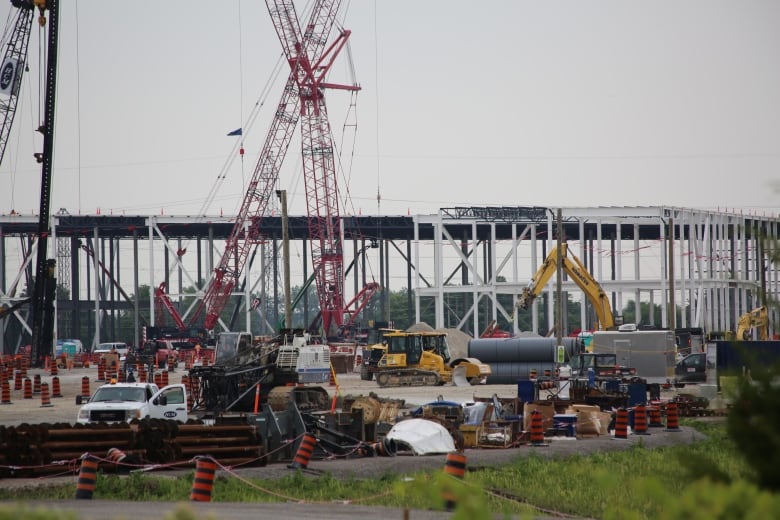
106, 510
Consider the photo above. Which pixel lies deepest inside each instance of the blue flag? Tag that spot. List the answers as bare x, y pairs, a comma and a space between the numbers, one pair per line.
237, 131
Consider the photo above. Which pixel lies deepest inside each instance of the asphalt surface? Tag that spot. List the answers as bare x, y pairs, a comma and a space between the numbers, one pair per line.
105, 510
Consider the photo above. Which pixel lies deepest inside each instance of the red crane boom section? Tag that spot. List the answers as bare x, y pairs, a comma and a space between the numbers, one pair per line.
300, 50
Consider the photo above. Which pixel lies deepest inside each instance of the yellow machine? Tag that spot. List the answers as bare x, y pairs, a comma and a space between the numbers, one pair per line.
577, 272
423, 358
374, 352
754, 325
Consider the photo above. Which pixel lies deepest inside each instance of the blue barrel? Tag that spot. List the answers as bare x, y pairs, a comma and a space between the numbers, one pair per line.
526, 390
637, 394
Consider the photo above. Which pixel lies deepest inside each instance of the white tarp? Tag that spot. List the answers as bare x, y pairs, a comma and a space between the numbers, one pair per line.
422, 436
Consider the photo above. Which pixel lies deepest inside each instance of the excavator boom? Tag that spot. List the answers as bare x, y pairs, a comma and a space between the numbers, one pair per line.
756, 320
577, 272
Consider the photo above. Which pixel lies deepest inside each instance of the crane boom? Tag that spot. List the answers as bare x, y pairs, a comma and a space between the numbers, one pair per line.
302, 97
261, 188
577, 272
12, 68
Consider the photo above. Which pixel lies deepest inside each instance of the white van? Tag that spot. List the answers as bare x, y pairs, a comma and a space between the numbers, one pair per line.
106, 348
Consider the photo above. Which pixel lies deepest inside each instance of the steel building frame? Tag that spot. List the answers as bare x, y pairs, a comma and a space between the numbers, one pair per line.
720, 262
716, 264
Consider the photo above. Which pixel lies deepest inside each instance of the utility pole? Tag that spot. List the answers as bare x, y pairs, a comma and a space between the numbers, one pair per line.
559, 290
672, 313
282, 194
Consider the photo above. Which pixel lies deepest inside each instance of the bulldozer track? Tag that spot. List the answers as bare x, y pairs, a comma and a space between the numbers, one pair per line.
408, 377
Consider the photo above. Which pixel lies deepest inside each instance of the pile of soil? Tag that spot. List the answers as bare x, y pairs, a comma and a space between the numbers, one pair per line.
457, 340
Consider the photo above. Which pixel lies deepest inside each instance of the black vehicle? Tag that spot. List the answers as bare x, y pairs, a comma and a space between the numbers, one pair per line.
691, 369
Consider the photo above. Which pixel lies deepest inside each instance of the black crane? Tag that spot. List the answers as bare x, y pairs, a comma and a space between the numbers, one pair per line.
45, 287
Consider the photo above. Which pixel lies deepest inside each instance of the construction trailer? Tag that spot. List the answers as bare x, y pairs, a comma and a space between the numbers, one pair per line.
651, 352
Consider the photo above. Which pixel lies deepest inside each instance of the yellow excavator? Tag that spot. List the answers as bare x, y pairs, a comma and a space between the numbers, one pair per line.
423, 358
754, 325
577, 272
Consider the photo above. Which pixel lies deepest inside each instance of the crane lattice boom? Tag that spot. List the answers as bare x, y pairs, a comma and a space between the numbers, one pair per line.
302, 97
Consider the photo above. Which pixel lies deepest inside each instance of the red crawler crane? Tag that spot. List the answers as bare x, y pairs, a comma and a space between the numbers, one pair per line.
303, 97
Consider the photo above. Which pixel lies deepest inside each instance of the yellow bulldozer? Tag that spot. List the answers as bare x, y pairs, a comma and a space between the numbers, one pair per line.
423, 359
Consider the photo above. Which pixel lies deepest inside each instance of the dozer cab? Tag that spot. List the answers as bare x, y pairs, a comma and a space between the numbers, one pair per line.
423, 359
374, 351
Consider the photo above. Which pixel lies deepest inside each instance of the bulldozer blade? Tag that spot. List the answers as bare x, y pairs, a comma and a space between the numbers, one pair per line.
459, 377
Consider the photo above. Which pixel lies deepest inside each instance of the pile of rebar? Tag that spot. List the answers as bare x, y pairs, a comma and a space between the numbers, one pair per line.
31, 450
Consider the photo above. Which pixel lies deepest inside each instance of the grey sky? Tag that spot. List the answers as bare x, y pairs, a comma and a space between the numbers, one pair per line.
557, 103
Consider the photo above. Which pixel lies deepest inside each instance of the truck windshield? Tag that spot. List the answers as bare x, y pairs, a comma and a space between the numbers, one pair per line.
114, 393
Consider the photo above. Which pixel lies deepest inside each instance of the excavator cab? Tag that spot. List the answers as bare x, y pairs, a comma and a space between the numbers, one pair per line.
754, 325
231, 346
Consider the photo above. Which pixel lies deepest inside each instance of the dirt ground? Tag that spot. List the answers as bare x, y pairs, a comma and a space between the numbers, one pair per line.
64, 409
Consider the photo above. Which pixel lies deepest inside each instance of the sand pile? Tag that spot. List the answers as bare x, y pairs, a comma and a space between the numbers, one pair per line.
456, 338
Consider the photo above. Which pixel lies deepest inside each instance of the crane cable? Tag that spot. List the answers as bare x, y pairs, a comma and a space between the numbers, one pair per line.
350, 122
259, 104
78, 109
241, 92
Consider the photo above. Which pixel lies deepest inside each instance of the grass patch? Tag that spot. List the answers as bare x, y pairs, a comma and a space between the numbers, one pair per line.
600, 485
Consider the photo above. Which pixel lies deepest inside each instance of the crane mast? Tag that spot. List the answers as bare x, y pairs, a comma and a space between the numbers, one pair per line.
302, 97
44, 291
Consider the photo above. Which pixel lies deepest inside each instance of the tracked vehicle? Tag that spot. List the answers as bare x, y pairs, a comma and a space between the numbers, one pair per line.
247, 374
423, 359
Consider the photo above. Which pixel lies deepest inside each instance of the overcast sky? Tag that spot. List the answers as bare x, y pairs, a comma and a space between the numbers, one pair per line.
555, 103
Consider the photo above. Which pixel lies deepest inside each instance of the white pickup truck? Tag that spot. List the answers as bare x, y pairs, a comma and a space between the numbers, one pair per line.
123, 402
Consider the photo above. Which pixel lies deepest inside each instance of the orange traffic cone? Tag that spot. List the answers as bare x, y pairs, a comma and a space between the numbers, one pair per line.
203, 483
87, 477
455, 466
621, 424
305, 450
672, 420
640, 420
537, 429
655, 417
45, 401
6, 392
55, 387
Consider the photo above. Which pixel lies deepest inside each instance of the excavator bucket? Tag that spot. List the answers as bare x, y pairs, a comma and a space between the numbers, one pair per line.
459, 376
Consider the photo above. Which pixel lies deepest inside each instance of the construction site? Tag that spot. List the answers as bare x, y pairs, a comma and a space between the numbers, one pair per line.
267, 341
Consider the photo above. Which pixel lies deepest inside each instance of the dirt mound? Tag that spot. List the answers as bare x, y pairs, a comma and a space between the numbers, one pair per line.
420, 327
457, 340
